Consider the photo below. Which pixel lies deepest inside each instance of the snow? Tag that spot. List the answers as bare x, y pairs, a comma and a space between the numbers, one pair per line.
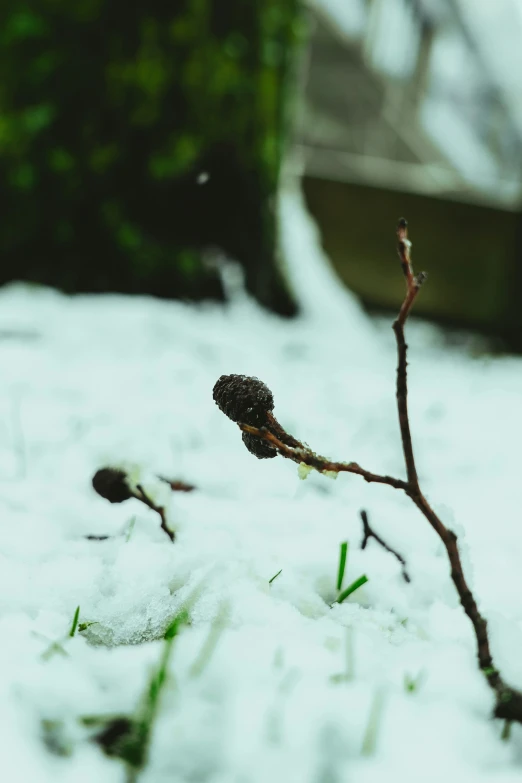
295, 689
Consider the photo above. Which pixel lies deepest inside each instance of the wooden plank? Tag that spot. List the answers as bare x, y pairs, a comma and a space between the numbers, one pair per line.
468, 250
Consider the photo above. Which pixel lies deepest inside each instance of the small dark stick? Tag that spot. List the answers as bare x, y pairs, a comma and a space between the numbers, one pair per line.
370, 533
176, 485
111, 484
158, 509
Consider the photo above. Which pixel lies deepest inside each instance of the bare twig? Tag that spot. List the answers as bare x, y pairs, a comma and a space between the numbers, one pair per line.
113, 485
141, 495
369, 532
413, 285
508, 700
321, 464
176, 485
279, 431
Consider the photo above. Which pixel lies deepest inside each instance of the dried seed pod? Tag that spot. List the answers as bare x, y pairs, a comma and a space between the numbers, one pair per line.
260, 448
111, 484
244, 400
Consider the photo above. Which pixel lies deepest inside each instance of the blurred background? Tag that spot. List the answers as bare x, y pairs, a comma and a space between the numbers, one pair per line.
142, 144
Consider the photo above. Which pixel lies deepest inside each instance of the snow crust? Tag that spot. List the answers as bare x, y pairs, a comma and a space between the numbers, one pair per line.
296, 689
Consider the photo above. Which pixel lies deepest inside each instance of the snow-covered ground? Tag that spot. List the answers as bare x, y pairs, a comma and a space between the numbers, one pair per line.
295, 690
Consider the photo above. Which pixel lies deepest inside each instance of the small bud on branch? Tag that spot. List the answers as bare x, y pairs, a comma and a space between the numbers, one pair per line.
111, 484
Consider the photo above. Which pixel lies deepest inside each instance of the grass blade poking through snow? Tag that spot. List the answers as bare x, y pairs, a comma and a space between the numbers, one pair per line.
130, 530
369, 743
75, 621
274, 576
343, 594
342, 564
58, 646
216, 629
128, 737
352, 588
349, 671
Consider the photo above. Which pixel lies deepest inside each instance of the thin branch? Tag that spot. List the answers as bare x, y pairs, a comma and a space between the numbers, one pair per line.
509, 701
369, 532
412, 289
141, 495
113, 485
320, 464
279, 431
177, 485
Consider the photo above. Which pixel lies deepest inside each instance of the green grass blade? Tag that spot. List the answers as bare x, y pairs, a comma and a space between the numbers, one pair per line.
75, 622
275, 576
128, 737
352, 588
342, 564
54, 647
369, 744
216, 629
130, 530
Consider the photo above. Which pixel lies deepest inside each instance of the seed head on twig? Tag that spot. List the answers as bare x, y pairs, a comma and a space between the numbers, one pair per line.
259, 448
248, 401
244, 400
111, 484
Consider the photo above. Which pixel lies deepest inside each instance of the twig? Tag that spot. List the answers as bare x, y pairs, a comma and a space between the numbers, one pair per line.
141, 495
369, 532
113, 485
176, 485
280, 432
508, 700
321, 464
413, 285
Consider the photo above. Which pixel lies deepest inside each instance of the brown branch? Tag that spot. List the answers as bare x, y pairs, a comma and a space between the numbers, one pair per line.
412, 289
508, 700
177, 485
369, 532
320, 464
280, 433
141, 495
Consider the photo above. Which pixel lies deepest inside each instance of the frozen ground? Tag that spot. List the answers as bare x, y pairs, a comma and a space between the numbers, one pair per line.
94, 380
